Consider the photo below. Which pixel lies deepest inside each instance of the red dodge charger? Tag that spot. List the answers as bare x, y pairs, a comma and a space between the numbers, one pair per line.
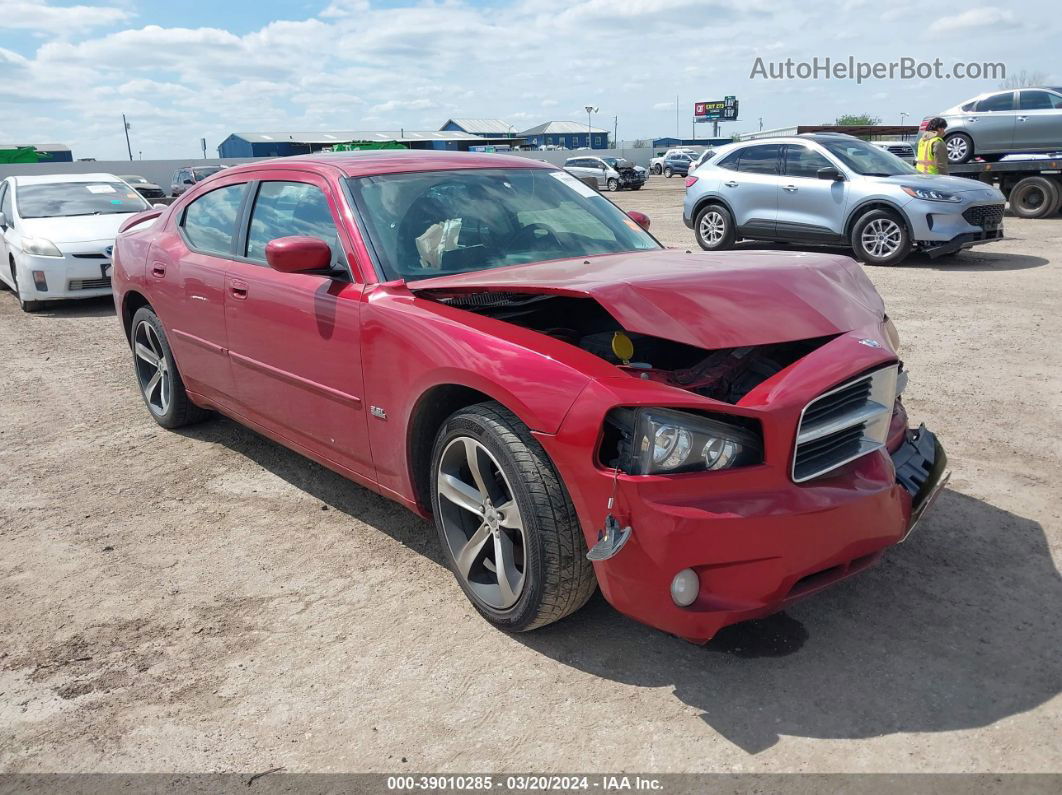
493, 344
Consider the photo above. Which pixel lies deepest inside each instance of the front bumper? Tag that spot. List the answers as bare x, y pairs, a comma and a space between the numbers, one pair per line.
939, 228
757, 551
84, 271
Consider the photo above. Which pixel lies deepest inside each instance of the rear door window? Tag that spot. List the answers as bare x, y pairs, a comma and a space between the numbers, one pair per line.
762, 159
996, 102
210, 221
1039, 100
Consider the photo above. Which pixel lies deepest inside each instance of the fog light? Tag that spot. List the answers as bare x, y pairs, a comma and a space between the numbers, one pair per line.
684, 587
40, 281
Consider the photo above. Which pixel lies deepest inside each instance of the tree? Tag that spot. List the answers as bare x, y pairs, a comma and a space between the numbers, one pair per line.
857, 120
1024, 79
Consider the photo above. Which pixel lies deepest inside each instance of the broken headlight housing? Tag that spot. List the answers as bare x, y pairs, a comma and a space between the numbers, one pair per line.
666, 442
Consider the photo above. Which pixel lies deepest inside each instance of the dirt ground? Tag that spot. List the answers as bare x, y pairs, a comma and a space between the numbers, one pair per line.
208, 601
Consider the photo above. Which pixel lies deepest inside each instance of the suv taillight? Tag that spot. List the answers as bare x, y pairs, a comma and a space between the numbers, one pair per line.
690, 181
922, 126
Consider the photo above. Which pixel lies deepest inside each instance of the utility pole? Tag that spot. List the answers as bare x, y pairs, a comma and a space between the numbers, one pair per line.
903, 117
128, 146
761, 123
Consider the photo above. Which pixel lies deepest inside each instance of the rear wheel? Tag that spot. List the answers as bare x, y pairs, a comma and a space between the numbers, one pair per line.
1035, 197
960, 147
881, 238
714, 228
655, 169
157, 376
505, 521
668, 172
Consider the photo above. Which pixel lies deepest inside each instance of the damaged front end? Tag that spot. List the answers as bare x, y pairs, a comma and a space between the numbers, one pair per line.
630, 176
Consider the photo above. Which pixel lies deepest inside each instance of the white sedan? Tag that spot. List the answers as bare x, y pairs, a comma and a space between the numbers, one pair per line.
58, 234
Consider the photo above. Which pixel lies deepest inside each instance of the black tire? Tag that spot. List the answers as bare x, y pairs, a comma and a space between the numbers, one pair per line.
655, 169
557, 577
889, 221
26, 306
668, 172
178, 410
1035, 197
613, 184
718, 217
953, 142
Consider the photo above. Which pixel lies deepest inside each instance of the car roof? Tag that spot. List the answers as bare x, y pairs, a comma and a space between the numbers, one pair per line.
51, 179
390, 161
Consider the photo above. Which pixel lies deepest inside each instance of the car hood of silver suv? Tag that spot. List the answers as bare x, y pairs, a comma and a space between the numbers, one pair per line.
940, 182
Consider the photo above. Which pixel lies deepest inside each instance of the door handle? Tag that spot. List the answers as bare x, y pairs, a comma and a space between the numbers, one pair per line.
790, 188
731, 184
158, 269
238, 289
1023, 118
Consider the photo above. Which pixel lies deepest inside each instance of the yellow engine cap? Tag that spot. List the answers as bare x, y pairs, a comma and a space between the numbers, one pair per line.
622, 347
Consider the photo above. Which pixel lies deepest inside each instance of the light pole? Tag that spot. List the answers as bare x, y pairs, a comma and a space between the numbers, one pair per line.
589, 139
903, 116
128, 146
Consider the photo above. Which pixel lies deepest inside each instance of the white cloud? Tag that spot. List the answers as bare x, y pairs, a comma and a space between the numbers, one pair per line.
18, 15
984, 17
664, 106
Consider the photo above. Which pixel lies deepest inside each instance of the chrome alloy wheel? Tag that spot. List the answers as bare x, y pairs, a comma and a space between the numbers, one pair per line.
713, 227
152, 372
882, 238
482, 523
957, 148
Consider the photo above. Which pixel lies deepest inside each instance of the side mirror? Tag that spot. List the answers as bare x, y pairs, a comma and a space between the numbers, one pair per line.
296, 254
3, 221
158, 206
189, 181
829, 172
639, 218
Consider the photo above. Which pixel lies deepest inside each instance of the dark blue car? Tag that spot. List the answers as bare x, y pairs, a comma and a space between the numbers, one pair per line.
677, 164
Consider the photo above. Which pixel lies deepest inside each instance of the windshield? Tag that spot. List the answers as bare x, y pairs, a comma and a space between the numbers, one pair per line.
432, 223
58, 199
866, 159
617, 162
205, 171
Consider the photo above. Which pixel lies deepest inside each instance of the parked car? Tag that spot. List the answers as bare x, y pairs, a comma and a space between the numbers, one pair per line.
836, 190
58, 234
902, 149
656, 164
612, 173
149, 190
701, 159
989, 126
677, 164
497, 346
184, 178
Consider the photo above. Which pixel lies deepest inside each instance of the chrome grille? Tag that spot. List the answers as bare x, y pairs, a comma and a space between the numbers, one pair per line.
845, 423
89, 284
985, 215
901, 149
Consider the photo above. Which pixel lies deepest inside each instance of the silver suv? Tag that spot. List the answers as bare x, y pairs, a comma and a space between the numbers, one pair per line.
1020, 121
835, 190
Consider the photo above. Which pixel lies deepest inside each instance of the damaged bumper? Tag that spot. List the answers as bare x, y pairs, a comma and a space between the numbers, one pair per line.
757, 550
937, 249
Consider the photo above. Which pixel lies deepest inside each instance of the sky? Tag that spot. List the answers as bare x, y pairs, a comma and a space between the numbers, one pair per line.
182, 71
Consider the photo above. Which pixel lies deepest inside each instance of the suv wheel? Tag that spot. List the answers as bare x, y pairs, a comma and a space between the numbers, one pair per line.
668, 172
714, 228
880, 238
505, 522
157, 376
960, 147
656, 169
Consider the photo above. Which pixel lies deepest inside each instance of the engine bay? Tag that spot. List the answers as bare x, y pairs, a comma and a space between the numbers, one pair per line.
726, 374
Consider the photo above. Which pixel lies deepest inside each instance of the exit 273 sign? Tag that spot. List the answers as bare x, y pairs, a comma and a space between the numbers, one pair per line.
717, 110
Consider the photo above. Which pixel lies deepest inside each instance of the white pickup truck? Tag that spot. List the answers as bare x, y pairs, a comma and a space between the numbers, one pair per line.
656, 164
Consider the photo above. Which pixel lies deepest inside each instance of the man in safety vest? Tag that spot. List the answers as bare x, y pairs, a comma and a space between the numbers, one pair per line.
932, 153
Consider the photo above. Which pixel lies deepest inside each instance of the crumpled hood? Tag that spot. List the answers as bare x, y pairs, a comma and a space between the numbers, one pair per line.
711, 301
75, 229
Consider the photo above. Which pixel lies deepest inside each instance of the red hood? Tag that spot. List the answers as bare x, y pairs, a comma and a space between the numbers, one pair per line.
708, 300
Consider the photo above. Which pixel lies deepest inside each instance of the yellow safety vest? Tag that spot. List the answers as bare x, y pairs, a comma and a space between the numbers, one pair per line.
926, 163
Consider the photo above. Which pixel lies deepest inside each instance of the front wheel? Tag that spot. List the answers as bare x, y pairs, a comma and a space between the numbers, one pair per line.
668, 172
613, 185
157, 376
505, 521
880, 238
656, 169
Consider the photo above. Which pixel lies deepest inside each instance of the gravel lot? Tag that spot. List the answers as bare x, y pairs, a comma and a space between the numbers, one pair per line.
208, 601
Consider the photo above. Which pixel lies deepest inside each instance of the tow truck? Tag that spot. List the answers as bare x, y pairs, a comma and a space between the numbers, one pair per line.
1033, 185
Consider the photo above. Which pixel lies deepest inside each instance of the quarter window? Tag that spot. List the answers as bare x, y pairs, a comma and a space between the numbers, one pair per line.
800, 161
996, 102
285, 209
210, 221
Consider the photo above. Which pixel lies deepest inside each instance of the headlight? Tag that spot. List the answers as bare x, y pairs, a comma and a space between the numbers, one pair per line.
892, 335
930, 195
40, 247
665, 441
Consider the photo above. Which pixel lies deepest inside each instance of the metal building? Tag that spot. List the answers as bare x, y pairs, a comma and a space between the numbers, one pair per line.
566, 135
283, 144
484, 128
